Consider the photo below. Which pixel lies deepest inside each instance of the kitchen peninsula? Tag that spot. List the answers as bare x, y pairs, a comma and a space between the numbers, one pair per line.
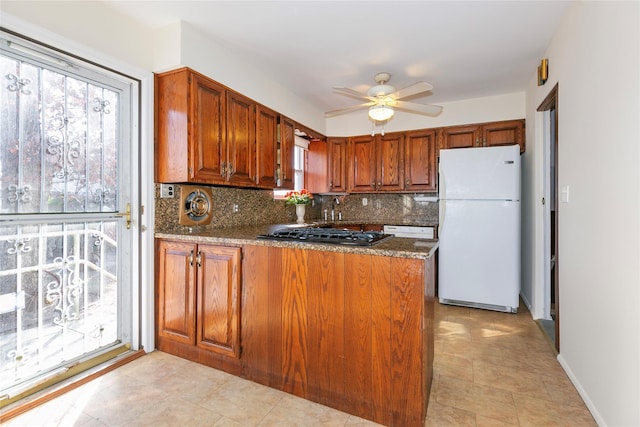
345, 326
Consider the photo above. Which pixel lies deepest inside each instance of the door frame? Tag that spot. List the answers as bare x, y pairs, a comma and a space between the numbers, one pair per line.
142, 185
550, 102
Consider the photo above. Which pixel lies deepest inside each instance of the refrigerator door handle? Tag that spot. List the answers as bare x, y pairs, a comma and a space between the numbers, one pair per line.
443, 209
442, 201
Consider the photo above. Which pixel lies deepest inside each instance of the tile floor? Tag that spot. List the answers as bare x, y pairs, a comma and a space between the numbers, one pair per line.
491, 369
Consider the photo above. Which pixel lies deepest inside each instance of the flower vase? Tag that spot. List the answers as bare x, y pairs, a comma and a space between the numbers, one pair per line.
300, 213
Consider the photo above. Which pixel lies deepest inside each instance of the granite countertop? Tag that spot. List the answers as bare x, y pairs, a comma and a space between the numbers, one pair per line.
239, 236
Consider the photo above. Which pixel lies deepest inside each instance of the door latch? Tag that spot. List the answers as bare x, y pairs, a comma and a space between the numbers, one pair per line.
126, 215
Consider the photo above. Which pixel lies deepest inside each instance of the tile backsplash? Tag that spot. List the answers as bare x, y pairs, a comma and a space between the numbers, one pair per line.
256, 207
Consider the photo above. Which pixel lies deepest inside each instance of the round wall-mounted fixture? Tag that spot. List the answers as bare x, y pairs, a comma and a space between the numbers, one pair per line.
196, 205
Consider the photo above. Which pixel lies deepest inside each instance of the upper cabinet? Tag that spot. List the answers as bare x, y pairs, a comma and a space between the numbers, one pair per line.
239, 159
509, 132
208, 134
376, 163
284, 156
266, 146
326, 166
190, 128
420, 166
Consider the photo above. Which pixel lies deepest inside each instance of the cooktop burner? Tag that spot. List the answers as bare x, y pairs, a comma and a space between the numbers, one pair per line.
327, 235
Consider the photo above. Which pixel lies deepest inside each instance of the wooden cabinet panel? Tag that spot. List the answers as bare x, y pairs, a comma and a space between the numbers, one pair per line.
407, 392
266, 147
176, 292
294, 321
460, 136
218, 298
326, 340
420, 166
503, 133
390, 162
360, 341
316, 173
284, 178
240, 166
198, 303
508, 132
208, 127
376, 163
362, 164
337, 164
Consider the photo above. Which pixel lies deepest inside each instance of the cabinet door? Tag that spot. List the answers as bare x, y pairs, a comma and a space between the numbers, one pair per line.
284, 178
266, 147
218, 317
390, 162
362, 164
420, 161
316, 173
461, 136
503, 133
175, 284
241, 154
337, 164
208, 131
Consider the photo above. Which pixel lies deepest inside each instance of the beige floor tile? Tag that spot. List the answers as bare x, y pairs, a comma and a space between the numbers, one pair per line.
446, 416
490, 369
454, 366
480, 399
533, 412
292, 411
512, 380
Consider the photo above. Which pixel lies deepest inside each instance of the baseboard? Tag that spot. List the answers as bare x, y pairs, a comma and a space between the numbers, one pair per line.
581, 391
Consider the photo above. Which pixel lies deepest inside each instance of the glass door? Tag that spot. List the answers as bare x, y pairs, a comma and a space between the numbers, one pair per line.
65, 274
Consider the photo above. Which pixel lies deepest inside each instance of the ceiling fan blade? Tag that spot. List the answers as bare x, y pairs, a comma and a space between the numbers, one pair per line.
352, 93
412, 107
334, 113
413, 89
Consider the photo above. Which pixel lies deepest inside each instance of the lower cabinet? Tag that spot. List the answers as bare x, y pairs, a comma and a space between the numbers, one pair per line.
198, 302
350, 331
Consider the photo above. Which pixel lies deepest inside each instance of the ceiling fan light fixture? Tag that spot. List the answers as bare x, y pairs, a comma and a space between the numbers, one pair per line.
380, 113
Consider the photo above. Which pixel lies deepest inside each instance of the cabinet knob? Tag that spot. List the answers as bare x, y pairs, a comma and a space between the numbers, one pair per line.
191, 258
198, 259
230, 171
373, 184
223, 169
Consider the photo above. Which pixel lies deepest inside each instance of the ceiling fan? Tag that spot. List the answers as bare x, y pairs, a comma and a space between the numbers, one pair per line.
382, 99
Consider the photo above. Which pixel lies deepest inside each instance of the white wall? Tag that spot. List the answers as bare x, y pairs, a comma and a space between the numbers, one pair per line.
594, 58
478, 110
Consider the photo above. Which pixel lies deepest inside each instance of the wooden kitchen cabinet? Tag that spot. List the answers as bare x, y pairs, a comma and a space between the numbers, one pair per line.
420, 164
376, 163
239, 150
190, 128
285, 153
208, 134
266, 147
350, 331
326, 166
198, 302
509, 132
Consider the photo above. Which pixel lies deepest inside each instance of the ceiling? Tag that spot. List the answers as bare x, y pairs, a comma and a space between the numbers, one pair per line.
465, 49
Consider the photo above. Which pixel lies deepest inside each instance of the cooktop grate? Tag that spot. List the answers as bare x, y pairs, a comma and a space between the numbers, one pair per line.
327, 235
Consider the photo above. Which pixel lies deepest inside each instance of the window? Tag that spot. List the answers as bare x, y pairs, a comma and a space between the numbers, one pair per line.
299, 162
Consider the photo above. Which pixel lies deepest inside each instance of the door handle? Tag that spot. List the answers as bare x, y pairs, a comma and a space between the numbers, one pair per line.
126, 215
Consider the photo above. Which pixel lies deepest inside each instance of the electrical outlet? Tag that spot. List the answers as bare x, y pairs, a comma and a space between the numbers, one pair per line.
365, 202
236, 208
167, 191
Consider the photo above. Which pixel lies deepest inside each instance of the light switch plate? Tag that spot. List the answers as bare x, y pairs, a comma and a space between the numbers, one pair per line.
167, 191
564, 194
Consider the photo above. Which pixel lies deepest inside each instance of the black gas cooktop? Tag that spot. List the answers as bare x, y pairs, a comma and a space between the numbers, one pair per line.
327, 235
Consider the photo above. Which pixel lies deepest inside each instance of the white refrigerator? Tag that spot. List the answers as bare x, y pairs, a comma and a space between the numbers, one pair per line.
479, 228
